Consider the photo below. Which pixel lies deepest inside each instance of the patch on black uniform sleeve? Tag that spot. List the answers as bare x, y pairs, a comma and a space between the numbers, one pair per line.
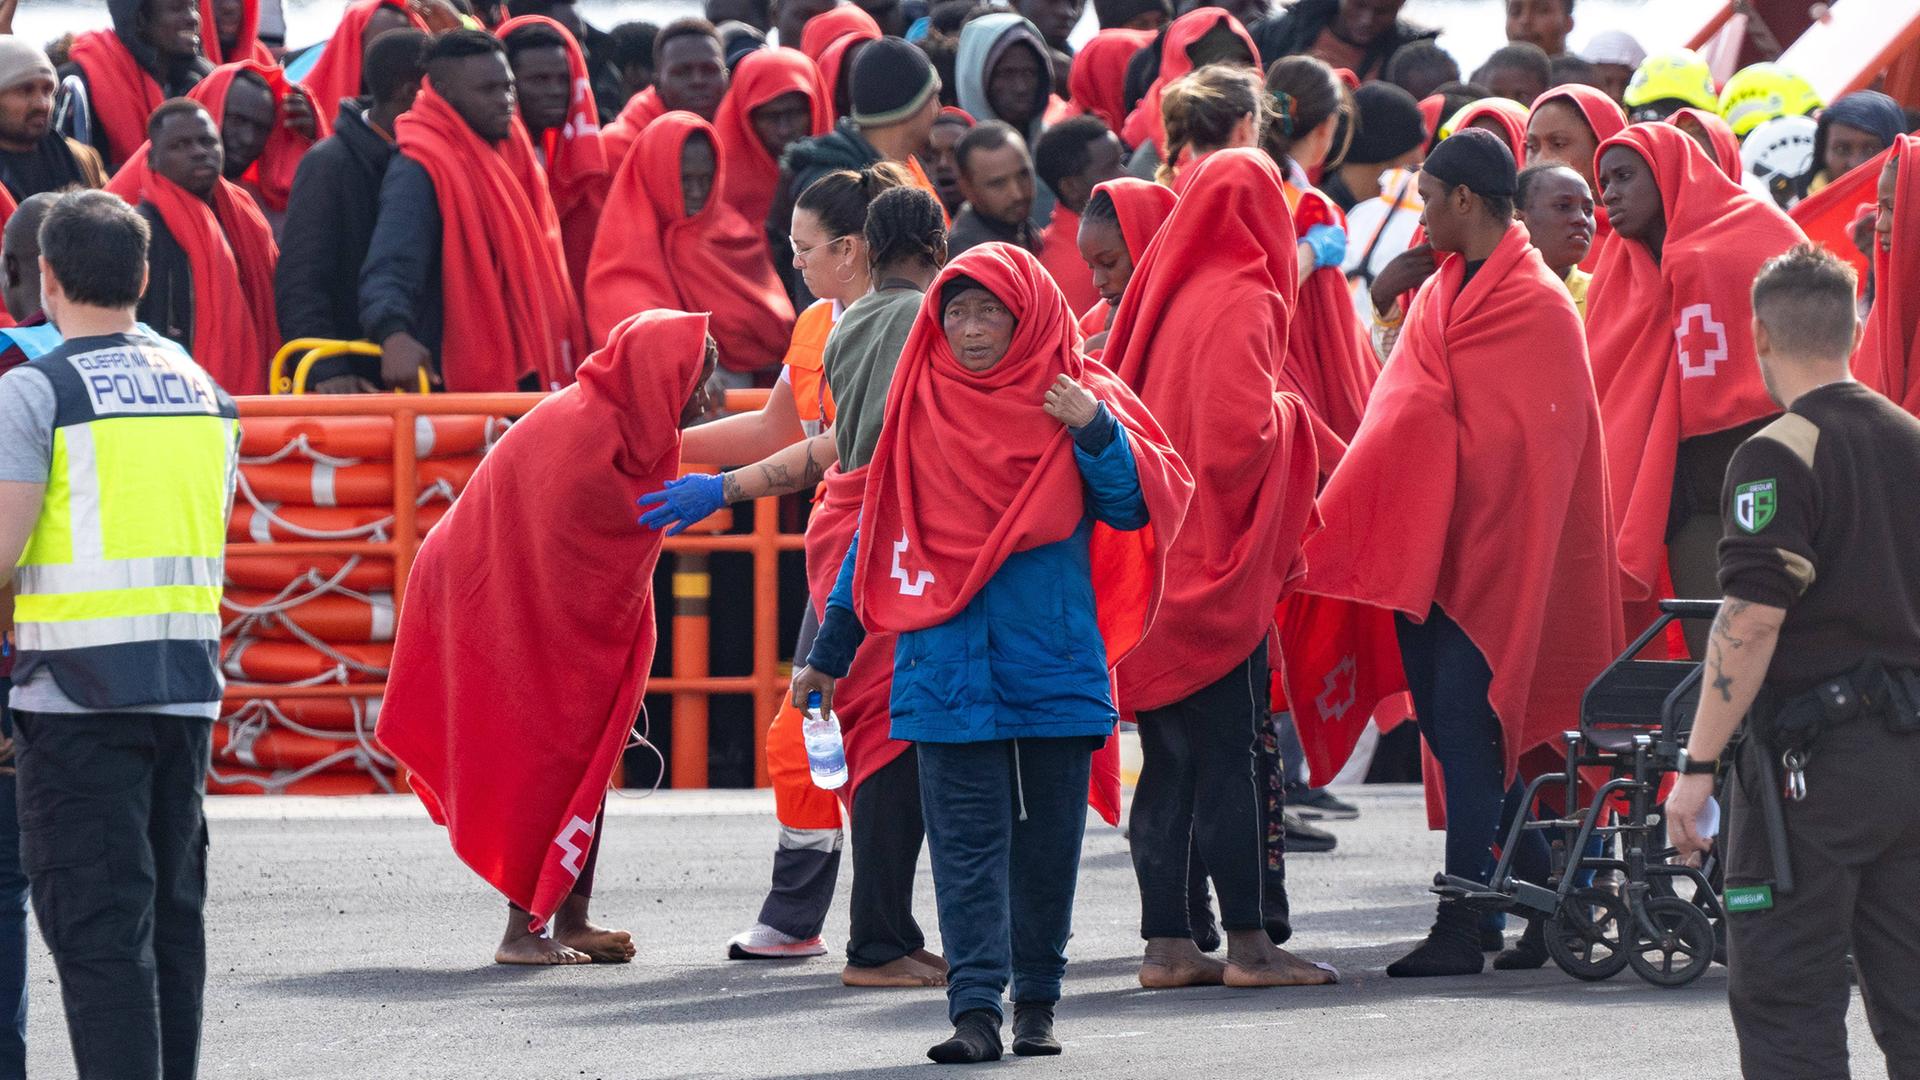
1754, 503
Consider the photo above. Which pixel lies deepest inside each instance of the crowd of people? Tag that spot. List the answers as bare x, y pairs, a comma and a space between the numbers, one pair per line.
1104, 363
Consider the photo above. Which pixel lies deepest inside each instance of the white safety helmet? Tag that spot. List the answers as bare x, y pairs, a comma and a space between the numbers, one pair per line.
1775, 157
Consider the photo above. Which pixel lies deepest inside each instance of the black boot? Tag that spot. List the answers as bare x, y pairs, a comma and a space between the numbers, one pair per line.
976, 1038
1033, 1029
1452, 946
1529, 952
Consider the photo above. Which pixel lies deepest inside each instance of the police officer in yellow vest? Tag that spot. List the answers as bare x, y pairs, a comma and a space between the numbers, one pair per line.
117, 459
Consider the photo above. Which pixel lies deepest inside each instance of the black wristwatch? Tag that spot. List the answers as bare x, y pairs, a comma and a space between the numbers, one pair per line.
1686, 766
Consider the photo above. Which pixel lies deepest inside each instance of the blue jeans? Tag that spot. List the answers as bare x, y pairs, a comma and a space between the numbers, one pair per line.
1449, 680
1004, 823
13, 921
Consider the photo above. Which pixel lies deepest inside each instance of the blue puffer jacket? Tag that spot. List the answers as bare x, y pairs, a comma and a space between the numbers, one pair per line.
1024, 659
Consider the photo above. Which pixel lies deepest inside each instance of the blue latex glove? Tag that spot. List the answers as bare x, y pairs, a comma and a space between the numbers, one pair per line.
1329, 244
683, 502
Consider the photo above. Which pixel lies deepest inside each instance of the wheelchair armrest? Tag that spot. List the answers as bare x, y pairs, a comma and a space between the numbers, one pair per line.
1691, 609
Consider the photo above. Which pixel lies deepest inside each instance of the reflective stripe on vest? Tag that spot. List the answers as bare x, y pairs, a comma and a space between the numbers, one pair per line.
35, 341
120, 581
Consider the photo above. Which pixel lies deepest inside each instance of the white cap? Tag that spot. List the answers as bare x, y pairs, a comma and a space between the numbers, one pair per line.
1613, 47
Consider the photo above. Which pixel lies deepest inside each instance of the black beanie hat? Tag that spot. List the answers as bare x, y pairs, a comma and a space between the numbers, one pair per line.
1476, 159
892, 80
1389, 124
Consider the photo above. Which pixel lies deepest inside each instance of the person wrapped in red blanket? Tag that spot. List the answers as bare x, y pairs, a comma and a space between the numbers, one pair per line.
1496, 554
1566, 127
1019, 507
266, 123
776, 99
1201, 336
1888, 361
211, 258
1120, 221
542, 550
1669, 330
151, 53
556, 104
234, 38
679, 245
336, 75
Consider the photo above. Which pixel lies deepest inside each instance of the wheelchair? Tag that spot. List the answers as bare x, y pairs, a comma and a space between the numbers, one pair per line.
1658, 916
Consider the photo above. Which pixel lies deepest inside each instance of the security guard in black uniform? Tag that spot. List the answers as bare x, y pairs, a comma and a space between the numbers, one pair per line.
1819, 635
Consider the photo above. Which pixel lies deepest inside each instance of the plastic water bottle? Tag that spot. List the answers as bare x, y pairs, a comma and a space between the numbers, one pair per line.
826, 755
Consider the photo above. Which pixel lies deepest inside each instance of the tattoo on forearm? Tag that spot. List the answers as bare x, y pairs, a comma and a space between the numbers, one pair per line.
778, 478
730, 487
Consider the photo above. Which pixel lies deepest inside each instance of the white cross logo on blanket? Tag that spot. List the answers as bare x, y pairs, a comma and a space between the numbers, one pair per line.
919, 582
574, 848
1702, 347
1337, 694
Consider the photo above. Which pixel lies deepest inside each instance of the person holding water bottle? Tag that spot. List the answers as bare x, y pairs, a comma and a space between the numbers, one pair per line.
1021, 500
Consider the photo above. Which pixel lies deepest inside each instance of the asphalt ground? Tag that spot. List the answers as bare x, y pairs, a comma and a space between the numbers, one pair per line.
346, 941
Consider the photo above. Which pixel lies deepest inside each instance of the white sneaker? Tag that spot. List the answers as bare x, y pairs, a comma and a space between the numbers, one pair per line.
763, 942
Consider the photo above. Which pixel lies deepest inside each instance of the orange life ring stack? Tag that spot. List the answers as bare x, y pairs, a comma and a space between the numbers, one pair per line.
328, 508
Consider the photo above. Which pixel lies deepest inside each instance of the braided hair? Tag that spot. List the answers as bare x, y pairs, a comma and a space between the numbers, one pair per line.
1201, 109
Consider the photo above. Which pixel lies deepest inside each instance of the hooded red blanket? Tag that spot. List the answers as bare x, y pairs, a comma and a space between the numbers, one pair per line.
120, 91
1505, 522
827, 40
1145, 122
246, 44
1060, 254
576, 163
231, 251
271, 174
1887, 362
1672, 342
1827, 215
1504, 117
662, 257
510, 307
541, 550
1201, 335
753, 175
1725, 149
1098, 79
1605, 120
336, 74
1330, 359
969, 469
1142, 208
862, 698
640, 110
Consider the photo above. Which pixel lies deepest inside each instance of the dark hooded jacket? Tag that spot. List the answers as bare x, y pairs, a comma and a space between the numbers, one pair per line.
329, 227
175, 79
1293, 31
804, 162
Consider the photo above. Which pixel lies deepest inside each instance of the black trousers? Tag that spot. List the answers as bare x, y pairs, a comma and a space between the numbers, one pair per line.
115, 848
1201, 787
1854, 846
888, 832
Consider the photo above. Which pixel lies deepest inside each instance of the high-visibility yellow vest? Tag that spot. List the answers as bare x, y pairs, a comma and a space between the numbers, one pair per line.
119, 586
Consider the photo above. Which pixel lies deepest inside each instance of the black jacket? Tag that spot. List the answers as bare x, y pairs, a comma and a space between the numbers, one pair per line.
167, 305
1294, 31
400, 281
328, 229
804, 162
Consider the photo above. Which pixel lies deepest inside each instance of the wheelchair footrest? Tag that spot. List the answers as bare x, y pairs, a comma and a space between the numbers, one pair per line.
1535, 898
1474, 894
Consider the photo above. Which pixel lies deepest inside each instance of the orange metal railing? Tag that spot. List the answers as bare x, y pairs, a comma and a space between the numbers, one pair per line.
689, 683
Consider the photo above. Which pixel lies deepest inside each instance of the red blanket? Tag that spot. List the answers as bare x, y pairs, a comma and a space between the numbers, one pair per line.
862, 698
231, 252
576, 163
1201, 335
271, 174
1330, 359
121, 92
1725, 149
336, 74
1887, 361
1145, 121
1504, 117
1504, 524
660, 257
523, 649
246, 45
1672, 342
827, 40
1097, 81
640, 110
1827, 215
753, 175
510, 307
1060, 254
1605, 120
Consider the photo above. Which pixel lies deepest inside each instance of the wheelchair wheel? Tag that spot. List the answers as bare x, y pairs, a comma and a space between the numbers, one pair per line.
1585, 936
1682, 947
